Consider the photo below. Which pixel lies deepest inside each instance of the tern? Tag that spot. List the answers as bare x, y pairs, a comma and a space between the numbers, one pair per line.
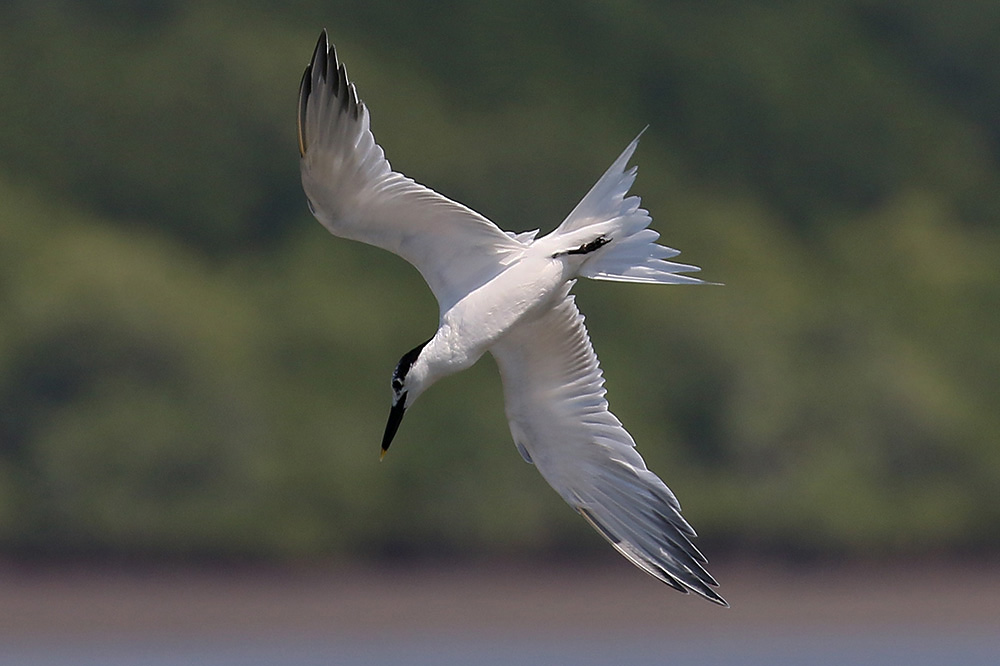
509, 294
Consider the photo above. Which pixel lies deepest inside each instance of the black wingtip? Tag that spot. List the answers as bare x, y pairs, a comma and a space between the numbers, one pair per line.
314, 73
320, 52
693, 579
714, 597
326, 70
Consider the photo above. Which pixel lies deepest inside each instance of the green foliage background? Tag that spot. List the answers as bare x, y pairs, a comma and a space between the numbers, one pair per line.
191, 366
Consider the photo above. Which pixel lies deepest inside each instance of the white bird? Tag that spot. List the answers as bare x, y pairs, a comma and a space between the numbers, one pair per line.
508, 294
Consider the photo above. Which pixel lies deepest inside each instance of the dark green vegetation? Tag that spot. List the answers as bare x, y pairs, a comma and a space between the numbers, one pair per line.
191, 365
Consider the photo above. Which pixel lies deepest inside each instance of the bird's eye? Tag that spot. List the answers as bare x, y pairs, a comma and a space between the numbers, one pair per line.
397, 384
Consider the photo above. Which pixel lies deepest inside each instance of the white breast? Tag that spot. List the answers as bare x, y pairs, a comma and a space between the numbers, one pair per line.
525, 290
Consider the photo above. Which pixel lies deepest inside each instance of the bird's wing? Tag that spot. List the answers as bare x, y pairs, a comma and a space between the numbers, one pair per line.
559, 418
355, 194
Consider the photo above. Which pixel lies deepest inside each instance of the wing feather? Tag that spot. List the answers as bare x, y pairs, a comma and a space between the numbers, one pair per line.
355, 194
554, 397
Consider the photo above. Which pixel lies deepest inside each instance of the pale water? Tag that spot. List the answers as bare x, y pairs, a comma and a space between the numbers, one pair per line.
903, 649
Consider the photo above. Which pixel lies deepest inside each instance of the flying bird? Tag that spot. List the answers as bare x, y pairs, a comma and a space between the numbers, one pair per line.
509, 294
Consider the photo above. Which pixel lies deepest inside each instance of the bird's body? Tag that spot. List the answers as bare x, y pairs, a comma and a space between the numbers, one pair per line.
509, 294
474, 324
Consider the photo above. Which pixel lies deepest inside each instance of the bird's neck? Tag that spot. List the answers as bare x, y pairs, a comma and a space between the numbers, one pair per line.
442, 356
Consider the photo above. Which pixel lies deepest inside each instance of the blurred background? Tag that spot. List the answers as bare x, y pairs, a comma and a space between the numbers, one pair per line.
194, 373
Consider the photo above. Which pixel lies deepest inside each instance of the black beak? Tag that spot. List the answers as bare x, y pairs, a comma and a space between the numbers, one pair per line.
395, 418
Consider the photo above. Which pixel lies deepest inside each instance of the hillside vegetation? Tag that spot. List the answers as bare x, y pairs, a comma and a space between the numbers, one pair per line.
190, 365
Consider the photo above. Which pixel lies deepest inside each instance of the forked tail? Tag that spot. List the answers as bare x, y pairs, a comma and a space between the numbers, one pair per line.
613, 232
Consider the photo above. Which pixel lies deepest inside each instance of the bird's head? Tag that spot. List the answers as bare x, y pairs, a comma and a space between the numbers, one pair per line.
409, 380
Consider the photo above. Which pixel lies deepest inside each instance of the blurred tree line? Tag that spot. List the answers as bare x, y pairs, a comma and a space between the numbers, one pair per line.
191, 366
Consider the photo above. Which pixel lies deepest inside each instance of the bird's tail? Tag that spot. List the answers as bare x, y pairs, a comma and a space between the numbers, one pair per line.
612, 233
